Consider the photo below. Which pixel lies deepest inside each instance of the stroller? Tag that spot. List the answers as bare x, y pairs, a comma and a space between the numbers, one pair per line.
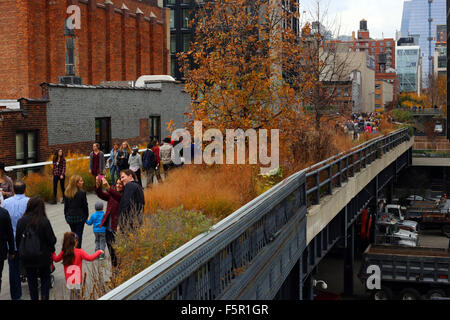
23, 276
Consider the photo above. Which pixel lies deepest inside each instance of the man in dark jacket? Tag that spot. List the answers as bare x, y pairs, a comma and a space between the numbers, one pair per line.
6, 240
132, 202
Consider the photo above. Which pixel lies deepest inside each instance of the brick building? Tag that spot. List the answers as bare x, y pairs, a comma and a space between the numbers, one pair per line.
73, 117
116, 41
382, 50
342, 95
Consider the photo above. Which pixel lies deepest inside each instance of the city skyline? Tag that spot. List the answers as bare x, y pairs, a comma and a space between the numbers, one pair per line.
383, 16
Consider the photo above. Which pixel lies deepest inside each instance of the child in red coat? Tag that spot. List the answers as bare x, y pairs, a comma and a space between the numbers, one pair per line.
72, 259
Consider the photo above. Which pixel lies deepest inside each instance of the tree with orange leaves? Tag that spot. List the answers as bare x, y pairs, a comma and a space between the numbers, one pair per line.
242, 70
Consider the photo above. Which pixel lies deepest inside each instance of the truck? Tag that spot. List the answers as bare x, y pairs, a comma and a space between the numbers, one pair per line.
398, 214
388, 231
435, 215
395, 272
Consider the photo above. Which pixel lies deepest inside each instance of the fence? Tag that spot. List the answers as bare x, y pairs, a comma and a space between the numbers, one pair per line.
249, 254
47, 163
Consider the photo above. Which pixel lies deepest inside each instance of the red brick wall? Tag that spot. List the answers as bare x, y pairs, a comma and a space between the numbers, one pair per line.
35, 119
111, 44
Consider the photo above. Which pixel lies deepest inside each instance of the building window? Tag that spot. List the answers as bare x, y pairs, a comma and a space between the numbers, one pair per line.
377, 96
103, 133
173, 43
172, 18
171, 1
186, 42
155, 128
186, 18
173, 66
26, 148
70, 57
377, 86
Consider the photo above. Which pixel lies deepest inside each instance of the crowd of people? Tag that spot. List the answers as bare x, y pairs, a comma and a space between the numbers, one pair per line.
27, 239
362, 122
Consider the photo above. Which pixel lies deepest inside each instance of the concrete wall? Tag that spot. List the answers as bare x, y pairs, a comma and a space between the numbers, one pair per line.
356, 61
71, 111
388, 93
319, 216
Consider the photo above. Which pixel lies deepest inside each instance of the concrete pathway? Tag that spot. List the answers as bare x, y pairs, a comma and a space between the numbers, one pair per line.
55, 214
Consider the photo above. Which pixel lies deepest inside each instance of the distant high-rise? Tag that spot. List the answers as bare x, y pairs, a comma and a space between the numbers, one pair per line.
420, 17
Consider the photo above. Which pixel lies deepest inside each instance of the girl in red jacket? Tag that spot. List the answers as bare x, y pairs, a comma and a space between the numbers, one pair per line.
72, 259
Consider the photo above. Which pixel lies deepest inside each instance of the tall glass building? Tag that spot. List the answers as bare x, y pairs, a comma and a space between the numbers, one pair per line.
408, 66
420, 17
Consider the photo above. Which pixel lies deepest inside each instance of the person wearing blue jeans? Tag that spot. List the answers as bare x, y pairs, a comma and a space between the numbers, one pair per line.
113, 167
99, 232
16, 207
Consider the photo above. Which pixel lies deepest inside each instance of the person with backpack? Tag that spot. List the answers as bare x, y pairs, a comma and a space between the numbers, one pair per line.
16, 207
76, 209
6, 240
72, 258
36, 241
149, 163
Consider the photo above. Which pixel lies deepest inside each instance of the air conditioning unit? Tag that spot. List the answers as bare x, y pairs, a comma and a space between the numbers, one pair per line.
69, 80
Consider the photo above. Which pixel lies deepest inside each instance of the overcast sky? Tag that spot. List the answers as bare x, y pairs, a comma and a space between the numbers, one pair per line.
383, 16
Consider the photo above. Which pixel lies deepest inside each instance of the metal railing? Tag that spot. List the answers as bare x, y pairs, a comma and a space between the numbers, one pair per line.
47, 163
249, 254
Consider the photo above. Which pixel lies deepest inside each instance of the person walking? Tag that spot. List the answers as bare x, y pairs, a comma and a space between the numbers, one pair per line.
6, 184
165, 154
132, 202
35, 231
112, 195
96, 161
124, 155
135, 163
155, 150
76, 209
99, 232
72, 258
149, 164
59, 174
16, 207
7, 243
113, 165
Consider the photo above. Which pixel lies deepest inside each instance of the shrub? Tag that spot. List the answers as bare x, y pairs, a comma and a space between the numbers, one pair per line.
402, 115
160, 234
215, 191
39, 185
